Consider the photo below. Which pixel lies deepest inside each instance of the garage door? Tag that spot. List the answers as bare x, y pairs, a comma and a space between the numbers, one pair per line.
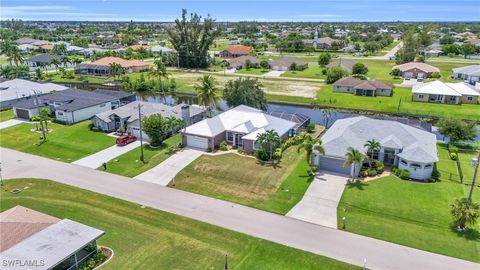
333, 165
197, 142
22, 113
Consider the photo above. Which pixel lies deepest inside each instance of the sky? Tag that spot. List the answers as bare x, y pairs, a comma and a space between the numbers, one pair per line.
235, 10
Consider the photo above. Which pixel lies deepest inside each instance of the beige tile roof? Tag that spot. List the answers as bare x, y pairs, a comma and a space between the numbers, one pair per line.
421, 66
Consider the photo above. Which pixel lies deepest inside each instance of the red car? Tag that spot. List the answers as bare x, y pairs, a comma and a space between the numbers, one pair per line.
125, 139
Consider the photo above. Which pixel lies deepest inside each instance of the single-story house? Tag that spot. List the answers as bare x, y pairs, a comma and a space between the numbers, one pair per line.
126, 117
416, 70
346, 64
25, 40
433, 52
34, 240
26, 48
325, 42
72, 105
240, 62
407, 147
368, 88
470, 74
238, 126
101, 67
160, 49
233, 51
284, 64
301, 119
46, 59
12, 91
448, 93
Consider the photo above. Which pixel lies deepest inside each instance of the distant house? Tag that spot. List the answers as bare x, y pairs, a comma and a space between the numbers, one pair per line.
470, 74
26, 48
325, 43
126, 117
43, 59
240, 62
369, 88
233, 51
346, 64
160, 49
416, 70
12, 91
407, 147
448, 93
72, 105
25, 41
238, 126
101, 67
284, 64
45, 241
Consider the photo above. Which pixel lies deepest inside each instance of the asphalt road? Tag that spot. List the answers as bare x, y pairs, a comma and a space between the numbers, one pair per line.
340, 245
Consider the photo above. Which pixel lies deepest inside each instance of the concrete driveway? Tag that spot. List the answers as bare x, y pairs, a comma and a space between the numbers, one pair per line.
96, 160
163, 173
273, 74
319, 204
11, 123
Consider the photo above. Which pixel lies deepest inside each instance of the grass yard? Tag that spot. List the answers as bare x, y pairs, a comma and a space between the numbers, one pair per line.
64, 143
91, 79
253, 71
129, 164
327, 97
253, 184
144, 238
409, 213
448, 167
312, 72
6, 115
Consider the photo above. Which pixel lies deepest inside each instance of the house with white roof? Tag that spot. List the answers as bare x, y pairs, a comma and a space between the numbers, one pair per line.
447, 93
470, 74
238, 126
407, 147
12, 91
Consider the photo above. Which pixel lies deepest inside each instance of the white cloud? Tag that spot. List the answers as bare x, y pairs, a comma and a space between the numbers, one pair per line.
62, 12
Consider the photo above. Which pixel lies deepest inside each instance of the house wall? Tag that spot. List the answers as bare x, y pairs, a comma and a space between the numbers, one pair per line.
343, 89
464, 99
420, 97
248, 146
384, 92
415, 71
82, 114
420, 172
31, 112
102, 125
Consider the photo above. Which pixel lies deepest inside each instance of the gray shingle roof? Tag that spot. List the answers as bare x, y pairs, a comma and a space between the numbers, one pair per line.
416, 145
44, 58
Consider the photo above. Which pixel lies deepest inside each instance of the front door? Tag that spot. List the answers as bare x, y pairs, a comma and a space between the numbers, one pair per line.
239, 140
389, 157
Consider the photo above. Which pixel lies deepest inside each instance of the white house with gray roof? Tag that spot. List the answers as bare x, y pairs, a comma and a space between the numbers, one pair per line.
12, 91
470, 74
404, 146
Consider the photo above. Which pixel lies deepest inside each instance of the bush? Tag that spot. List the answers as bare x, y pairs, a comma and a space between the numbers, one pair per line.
372, 172
404, 174
223, 146
453, 149
394, 169
435, 75
363, 173
436, 173
310, 127
453, 156
262, 154
240, 150
396, 72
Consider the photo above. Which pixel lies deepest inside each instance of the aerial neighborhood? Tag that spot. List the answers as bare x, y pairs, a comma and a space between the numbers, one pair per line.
238, 143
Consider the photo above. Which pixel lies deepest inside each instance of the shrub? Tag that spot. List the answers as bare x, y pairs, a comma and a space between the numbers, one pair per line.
372, 172
453, 149
394, 169
262, 154
310, 127
396, 72
278, 153
223, 146
453, 156
435, 75
404, 174
436, 173
240, 150
364, 173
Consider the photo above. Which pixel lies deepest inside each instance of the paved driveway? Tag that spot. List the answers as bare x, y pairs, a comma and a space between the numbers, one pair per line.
163, 173
11, 123
319, 204
273, 74
95, 160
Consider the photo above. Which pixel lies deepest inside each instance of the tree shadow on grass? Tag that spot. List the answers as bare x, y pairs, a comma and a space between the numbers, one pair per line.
471, 234
360, 185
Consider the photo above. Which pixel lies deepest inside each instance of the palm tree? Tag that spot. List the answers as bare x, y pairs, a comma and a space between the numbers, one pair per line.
207, 92
21, 71
15, 55
353, 157
7, 72
56, 63
38, 74
372, 146
327, 115
464, 211
309, 144
270, 138
65, 60
159, 71
115, 70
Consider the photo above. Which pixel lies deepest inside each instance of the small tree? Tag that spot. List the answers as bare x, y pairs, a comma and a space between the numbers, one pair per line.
359, 68
248, 64
264, 64
336, 73
373, 146
293, 66
464, 211
156, 127
269, 139
245, 91
352, 158
309, 145
324, 59
468, 49
396, 72
457, 130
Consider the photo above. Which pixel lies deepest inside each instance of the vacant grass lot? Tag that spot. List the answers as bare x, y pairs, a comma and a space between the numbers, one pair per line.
129, 164
327, 97
252, 71
6, 115
64, 143
144, 238
312, 72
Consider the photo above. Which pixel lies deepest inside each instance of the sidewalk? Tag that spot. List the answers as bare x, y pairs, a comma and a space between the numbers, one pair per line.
96, 160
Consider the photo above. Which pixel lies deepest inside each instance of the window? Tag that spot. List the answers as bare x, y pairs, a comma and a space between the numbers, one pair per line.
420, 96
470, 98
428, 166
102, 105
229, 136
403, 162
452, 98
414, 165
60, 113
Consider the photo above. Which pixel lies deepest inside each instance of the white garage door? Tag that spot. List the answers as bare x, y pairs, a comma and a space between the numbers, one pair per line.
197, 142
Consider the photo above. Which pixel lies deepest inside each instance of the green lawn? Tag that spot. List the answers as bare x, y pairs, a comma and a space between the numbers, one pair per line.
57, 78
129, 164
312, 72
252, 71
144, 238
275, 189
64, 143
448, 167
6, 115
413, 213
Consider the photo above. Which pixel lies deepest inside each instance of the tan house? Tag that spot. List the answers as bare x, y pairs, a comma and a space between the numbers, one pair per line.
416, 70
367, 88
101, 67
240, 62
233, 51
447, 93
284, 64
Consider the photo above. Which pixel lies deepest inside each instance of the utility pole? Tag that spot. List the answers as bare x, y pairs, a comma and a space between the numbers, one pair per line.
141, 131
475, 163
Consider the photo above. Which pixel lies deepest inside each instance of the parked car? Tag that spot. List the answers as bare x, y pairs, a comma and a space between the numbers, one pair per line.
125, 139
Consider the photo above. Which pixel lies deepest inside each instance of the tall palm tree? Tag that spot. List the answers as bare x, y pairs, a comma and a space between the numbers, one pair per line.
65, 60
56, 63
373, 146
7, 72
21, 71
270, 138
353, 157
327, 115
309, 145
207, 92
115, 70
464, 211
159, 71
15, 55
